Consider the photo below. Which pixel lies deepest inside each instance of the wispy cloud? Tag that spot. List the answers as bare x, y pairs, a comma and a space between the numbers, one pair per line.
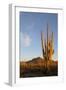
25, 40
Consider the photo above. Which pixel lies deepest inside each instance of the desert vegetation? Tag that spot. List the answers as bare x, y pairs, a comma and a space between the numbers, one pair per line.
38, 67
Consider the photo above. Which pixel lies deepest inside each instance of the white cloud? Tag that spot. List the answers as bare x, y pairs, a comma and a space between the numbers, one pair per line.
25, 39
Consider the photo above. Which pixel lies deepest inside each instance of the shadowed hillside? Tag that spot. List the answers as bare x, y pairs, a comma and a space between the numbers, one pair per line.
38, 67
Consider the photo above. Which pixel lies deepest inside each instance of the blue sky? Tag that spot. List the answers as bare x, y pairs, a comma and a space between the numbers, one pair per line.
31, 25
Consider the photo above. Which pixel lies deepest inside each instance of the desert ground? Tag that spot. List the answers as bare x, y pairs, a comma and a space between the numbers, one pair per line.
38, 67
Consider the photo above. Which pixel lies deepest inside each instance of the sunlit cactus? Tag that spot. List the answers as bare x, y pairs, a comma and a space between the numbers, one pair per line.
47, 45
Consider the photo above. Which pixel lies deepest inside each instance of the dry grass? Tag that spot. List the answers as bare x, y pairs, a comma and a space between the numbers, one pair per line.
38, 67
